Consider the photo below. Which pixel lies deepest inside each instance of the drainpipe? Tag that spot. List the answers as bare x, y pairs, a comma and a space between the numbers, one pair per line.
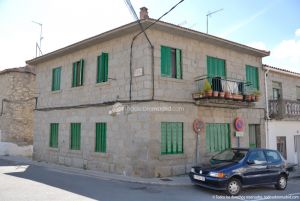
267, 108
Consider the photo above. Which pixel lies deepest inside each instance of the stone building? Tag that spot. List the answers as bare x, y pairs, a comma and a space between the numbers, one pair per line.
283, 125
17, 95
101, 106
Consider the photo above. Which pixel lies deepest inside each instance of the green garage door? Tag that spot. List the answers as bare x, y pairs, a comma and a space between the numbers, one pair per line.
217, 137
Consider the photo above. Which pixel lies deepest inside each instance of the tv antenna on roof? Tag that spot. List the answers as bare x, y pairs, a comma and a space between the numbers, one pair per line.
38, 47
209, 15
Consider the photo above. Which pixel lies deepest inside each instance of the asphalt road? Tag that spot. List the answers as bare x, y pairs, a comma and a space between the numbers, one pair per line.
21, 182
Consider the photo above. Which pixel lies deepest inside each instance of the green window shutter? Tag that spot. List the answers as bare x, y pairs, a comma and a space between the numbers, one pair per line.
252, 77
81, 72
75, 136
217, 137
56, 75
100, 137
102, 72
166, 62
178, 64
171, 137
216, 67
74, 80
53, 141
163, 144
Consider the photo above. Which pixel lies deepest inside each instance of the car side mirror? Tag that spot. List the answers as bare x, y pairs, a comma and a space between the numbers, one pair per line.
250, 162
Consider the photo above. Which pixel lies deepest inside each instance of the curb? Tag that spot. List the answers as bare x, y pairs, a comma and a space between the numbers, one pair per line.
97, 174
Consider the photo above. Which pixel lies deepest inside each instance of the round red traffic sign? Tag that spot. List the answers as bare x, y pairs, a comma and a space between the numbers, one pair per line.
198, 125
239, 124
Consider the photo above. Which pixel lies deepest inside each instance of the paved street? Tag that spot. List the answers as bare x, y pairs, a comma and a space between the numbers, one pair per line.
30, 182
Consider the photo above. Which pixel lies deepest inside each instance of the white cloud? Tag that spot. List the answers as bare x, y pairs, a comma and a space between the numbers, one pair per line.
285, 55
258, 45
297, 32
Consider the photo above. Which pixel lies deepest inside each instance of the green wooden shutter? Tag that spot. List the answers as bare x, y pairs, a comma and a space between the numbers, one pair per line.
163, 144
81, 72
171, 137
217, 137
100, 137
216, 67
56, 78
74, 80
102, 74
75, 136
178, 64
105, 66
166, 62
53, 141
252, 136
252, 77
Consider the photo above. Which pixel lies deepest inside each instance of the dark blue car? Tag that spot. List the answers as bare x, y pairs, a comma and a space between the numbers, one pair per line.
233, 169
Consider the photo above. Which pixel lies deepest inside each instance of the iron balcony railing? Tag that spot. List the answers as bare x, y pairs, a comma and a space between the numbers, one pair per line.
220, 84
281, 108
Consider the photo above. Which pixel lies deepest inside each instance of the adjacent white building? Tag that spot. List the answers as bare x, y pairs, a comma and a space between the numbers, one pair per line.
283, 124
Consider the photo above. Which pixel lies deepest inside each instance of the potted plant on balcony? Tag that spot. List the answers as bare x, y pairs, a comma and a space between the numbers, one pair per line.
247, 97
257, 95
222, 94
207, 89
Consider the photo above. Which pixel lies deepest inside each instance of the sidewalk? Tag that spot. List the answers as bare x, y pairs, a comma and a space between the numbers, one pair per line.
183, 180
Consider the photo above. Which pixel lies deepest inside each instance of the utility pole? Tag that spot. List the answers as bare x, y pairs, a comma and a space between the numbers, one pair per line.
39, 46
209, 15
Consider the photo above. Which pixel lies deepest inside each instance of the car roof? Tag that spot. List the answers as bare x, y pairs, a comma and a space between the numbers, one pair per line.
252, 149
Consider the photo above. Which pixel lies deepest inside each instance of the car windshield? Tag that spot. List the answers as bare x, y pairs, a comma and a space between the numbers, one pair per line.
230, 155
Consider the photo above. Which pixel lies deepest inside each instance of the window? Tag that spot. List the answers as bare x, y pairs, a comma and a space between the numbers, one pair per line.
78, 73
216, 67
102, 68
272, 157
258, 157
217, 137
75, 136
56, 78
254, 136
171, 62
53, 140
100, 137
298, 93
276, 86
281, 145
171, 137
252, 77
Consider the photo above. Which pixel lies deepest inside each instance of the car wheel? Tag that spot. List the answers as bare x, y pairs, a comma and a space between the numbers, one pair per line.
233, 187
281, 182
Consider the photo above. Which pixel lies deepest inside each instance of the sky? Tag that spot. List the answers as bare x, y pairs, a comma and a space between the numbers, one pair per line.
272, 25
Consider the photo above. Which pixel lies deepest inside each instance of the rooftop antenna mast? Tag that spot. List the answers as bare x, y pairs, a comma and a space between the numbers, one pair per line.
209, 15
38, 47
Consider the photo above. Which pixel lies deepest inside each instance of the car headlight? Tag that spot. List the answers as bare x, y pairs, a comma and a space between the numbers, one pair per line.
216, 174
193, 170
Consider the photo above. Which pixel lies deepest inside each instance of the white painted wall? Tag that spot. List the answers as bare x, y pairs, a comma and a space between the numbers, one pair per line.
288, 129
11, 149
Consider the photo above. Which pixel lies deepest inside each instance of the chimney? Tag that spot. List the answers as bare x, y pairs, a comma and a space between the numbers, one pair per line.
144, 13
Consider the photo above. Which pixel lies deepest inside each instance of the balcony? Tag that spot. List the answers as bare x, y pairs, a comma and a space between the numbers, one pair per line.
284, 109
226, 93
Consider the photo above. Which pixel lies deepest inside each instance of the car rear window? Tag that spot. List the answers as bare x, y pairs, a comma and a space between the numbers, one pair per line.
273, 156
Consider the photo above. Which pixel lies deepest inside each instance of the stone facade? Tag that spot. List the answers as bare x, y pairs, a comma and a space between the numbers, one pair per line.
284, 127
134, 136
17, 94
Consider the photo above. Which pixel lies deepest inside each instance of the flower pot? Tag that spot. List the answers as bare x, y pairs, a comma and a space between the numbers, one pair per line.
215, 94
257, 98
252, 98
222, 94
208, 93
228, 95
248, 98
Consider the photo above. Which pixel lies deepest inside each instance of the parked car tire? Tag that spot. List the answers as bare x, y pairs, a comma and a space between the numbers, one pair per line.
233, 187
281, 182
